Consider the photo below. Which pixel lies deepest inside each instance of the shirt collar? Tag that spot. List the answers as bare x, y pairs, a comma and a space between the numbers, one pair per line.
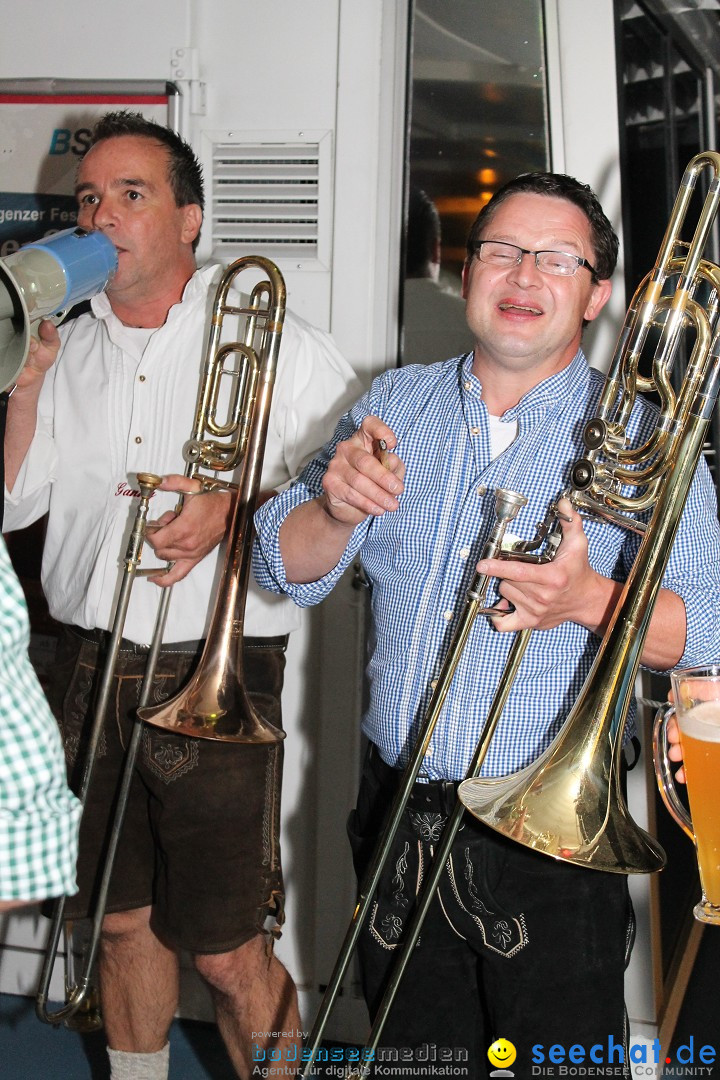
196, 287
558, 388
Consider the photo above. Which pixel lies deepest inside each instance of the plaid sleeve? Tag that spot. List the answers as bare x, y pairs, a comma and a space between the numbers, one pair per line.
39, 816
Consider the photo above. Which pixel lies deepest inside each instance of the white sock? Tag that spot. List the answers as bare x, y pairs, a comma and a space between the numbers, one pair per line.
127, 1066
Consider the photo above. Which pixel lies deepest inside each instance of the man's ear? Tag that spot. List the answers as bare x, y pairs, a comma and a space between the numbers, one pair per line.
598, 299
465, 279
191, 223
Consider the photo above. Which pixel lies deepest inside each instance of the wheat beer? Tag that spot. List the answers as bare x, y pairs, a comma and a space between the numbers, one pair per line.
696, 694
700, 740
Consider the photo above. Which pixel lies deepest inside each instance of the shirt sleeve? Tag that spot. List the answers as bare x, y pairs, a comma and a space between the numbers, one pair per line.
693, 571
314, 386
39, 816
30, 497
268, 566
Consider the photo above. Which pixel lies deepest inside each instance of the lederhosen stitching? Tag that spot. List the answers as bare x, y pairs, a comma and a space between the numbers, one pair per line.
518, 920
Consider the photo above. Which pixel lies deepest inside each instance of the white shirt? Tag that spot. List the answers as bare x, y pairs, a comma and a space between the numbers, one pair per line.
114, 405
502, 434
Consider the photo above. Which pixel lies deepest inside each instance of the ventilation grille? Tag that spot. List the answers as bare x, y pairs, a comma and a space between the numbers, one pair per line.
267, 199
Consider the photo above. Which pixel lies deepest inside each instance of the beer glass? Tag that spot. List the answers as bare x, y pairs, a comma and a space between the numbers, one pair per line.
696, 693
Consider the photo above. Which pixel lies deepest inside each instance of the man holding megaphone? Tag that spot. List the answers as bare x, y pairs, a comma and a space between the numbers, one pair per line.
41, 281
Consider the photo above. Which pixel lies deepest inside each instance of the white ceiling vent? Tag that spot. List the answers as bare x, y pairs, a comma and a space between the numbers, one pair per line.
271, 196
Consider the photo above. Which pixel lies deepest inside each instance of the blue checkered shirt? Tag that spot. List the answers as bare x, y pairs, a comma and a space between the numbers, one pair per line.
419, 560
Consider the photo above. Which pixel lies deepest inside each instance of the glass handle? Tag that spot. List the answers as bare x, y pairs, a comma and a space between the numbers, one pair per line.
663, 771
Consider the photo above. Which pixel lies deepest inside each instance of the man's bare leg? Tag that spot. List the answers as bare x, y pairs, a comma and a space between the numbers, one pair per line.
139, 980
256, 1006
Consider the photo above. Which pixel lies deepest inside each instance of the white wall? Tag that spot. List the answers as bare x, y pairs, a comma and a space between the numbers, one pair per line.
323, 65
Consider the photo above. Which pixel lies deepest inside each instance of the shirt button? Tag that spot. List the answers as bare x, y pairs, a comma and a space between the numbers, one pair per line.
474, 430
448, 616
464, 553
433, 684
141, 378
467, 385
138, 439
482, 490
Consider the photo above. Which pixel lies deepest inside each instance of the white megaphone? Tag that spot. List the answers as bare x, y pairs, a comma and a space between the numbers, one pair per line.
43, 280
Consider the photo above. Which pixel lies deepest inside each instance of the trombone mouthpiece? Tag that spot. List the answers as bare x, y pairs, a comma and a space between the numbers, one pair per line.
148, 483
508, 503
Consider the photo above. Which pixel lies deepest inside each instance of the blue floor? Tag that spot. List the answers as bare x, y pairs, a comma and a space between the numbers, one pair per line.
30, 1050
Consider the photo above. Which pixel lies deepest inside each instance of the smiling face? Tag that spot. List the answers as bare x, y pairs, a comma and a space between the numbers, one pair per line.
123, 190
527, 324
502, 1053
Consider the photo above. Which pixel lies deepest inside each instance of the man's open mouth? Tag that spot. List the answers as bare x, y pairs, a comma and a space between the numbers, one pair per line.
525, 309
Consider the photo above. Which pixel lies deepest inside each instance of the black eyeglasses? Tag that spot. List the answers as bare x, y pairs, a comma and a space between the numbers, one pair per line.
559, 263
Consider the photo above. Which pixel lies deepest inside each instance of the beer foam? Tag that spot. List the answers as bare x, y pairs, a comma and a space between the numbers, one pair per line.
702, 721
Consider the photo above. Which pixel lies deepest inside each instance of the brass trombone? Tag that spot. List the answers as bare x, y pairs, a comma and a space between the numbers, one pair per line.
229, 430
569, 803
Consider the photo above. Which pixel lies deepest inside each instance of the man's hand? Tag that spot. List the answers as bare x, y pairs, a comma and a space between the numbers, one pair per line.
363, 478
42, 353
674, 747
186, 538
23, 402
673, 737
547, 594
569, 590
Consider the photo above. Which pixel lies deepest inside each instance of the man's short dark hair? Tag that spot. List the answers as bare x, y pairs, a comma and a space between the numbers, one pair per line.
558, 186
423, 234
184, 170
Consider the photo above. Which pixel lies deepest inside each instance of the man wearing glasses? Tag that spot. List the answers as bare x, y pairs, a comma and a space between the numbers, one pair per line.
515, 946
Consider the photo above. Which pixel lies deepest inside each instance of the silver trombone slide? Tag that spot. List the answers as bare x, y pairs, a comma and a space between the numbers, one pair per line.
507, 505
148, 482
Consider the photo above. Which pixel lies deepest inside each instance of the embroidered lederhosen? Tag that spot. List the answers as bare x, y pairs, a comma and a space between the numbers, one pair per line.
464, 893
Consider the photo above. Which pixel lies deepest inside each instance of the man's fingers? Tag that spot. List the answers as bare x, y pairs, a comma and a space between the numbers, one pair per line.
368, 464
516, 570
393, 465
154, 525
184, 485
504, 620
48, 333
358, 480
374, 431
364, 495
567, 513
178, 570
363, 478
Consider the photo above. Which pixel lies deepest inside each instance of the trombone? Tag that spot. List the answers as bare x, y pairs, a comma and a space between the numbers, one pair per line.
569, 803
229, 430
